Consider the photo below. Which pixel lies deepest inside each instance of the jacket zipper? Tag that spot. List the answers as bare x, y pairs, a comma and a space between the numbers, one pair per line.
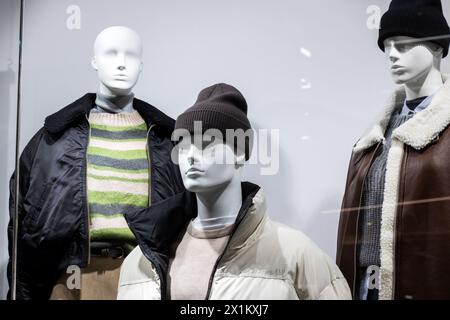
88, 215
357, 222
148, 256
149, 167
211, 278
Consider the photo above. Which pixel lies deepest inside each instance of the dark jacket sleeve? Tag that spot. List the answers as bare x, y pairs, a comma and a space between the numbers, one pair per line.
24, 276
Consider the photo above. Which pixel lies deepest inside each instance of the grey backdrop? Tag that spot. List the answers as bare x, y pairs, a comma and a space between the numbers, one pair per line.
321, 98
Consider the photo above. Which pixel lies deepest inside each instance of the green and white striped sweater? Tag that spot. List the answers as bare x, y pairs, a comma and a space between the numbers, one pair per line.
117, 173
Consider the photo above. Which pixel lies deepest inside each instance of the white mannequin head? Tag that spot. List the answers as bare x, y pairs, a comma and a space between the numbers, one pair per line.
208, 164
117, 60
410, 60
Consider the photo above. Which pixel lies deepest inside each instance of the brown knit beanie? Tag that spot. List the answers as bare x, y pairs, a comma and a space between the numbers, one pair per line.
220, 107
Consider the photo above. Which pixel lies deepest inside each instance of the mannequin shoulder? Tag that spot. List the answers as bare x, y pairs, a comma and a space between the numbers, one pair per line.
296, 243
317, 274
296, 238
32, 146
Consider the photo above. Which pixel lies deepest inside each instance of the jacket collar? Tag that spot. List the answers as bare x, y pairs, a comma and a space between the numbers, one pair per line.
419, 131
252, 213
161, 225
69, 115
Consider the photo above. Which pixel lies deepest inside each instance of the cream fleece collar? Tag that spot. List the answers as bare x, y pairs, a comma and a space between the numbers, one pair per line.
420, 130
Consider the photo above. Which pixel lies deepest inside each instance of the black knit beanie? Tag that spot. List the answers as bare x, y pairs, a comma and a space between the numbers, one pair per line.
220, 107
416, 19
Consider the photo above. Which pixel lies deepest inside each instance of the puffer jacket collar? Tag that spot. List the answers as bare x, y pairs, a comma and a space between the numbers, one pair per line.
419, 131
66, 117
158, 227
252, 214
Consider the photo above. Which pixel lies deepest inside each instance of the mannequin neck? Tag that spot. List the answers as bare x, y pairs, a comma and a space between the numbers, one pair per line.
108, 101
106, 91
424, 85
219, 207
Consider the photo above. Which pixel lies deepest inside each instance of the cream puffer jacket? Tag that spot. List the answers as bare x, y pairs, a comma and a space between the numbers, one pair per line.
263, 259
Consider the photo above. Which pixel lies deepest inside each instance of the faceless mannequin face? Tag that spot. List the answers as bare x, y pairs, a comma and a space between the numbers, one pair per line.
206, 163
118, 60
410, 59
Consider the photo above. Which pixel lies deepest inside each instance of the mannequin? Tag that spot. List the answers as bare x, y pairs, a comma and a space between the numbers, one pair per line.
88, 166
215, 240
400, 165
118, 62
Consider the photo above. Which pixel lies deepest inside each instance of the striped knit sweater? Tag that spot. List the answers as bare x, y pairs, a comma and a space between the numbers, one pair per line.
117, 173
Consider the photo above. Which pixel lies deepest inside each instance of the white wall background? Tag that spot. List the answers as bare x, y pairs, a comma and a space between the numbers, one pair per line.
9, 37
321, 104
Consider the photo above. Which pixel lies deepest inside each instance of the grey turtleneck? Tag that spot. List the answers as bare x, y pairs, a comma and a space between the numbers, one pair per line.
114, 104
